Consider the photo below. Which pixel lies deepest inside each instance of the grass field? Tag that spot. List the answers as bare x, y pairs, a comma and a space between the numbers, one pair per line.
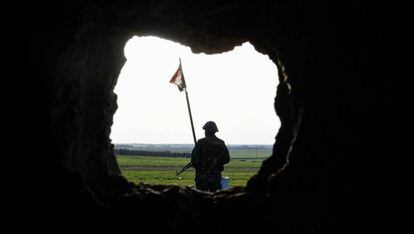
161, 170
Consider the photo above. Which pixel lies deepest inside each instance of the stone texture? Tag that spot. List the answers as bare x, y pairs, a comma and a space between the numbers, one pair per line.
329, 169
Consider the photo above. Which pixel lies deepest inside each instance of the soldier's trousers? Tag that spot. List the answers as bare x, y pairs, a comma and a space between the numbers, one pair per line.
208, 182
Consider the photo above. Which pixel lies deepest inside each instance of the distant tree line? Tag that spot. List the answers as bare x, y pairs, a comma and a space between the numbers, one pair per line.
151, 153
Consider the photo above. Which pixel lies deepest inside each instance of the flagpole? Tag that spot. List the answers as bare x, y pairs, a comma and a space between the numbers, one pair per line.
189, 108
191, 117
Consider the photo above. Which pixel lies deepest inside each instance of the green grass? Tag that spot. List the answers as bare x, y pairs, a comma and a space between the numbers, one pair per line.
250, 153
161, 170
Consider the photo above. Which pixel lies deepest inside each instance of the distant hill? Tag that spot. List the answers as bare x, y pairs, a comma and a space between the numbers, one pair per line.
185, 147
174, 150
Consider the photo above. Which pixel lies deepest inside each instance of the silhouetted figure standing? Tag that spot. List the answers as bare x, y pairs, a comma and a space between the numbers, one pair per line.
208, 157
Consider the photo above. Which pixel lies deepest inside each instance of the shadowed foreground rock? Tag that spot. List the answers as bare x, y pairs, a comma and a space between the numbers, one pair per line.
329, 171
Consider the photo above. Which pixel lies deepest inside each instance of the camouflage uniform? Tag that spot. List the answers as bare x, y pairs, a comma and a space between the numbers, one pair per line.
208, 157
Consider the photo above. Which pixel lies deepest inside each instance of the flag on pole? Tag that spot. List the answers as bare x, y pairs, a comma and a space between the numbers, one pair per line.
178, 78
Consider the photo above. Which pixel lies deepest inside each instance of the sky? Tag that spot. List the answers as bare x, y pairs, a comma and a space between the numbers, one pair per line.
235, 89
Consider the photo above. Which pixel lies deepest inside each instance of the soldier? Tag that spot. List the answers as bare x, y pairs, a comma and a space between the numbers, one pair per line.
208, 157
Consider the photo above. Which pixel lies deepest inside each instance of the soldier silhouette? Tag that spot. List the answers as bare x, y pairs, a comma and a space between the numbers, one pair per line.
208, 157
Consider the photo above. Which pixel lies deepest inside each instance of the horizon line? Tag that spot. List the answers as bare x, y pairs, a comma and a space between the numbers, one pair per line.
186, 143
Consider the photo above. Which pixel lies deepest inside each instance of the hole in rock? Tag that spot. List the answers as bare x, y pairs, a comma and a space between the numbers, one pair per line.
152, 132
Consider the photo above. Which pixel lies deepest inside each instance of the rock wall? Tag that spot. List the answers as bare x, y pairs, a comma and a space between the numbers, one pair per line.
327, 171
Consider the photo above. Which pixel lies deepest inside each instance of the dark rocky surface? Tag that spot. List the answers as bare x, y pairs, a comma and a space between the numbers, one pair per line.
329, 172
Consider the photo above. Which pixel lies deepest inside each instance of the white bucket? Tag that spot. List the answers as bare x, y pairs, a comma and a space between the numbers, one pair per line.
225, 182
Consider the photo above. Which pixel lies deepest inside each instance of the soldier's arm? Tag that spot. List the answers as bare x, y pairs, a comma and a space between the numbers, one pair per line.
226, 154
195, 156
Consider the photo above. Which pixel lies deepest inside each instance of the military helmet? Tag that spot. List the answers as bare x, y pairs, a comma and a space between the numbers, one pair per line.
210, 126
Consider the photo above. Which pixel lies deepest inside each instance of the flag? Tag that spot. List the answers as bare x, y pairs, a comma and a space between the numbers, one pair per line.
178, 78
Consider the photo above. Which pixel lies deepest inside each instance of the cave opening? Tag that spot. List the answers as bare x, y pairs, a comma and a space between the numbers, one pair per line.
332, 107
151, 129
